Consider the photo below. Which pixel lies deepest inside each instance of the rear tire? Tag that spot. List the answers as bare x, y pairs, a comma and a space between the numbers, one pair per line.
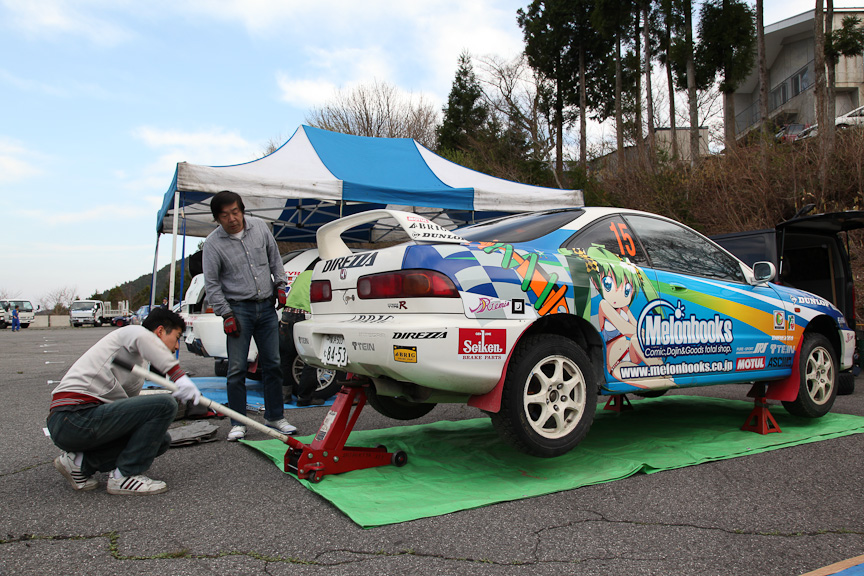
396, 408
221, 367
845, 383
818, 372
27, 325
549, 397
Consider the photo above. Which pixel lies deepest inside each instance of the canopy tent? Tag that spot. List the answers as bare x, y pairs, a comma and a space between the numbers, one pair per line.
318, 176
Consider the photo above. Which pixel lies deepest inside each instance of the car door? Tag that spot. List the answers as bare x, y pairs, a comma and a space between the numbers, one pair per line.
710, 325
613, 285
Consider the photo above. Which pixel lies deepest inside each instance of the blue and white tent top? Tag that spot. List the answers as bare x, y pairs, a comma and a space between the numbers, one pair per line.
318, 175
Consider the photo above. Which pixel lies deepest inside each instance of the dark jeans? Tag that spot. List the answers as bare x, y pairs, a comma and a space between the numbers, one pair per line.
258, 320
128, 434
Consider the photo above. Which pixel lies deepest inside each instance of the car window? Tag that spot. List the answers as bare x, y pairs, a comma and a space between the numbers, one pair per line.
676, 248
519, 228
613, 234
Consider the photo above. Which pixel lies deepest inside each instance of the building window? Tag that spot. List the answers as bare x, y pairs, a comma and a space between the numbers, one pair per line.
779, 95
800, 81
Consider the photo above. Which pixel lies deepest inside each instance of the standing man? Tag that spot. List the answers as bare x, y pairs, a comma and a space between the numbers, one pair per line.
98, 417
16, 320
244, 276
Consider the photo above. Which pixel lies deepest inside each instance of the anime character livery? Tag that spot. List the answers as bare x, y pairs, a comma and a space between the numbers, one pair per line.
530, 317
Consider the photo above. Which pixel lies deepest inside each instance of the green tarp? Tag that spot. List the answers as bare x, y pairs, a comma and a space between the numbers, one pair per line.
459, 465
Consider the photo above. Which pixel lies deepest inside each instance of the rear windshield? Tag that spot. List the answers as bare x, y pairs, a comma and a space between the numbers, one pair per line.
519, 228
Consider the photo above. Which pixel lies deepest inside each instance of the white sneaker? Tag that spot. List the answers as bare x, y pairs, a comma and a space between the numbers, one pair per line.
282, 426
135, 485
65, 464
236, 433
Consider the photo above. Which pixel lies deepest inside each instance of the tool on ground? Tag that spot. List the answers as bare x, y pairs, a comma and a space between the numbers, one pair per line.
327, 454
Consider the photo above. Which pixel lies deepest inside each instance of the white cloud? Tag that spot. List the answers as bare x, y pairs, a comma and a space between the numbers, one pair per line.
304, 93
49, 18
213, 147
16, 162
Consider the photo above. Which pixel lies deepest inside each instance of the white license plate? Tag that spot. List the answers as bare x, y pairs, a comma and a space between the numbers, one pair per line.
334, 353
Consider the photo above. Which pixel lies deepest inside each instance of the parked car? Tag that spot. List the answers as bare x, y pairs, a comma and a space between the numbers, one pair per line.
852, 118
810, 253
531, 316
205, 336
141, 314
121, 321
789, 132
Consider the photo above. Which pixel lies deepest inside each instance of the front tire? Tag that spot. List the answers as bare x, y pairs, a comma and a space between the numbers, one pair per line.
549, 397
818, 372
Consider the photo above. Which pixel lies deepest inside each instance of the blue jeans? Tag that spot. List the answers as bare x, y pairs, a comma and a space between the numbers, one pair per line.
258, 320
128, 434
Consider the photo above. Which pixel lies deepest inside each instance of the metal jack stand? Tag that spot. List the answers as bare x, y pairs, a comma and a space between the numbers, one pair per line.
618, 403
327, 454
760, 419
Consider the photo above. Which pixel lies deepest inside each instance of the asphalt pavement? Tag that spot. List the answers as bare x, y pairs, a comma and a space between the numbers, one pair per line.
230, 511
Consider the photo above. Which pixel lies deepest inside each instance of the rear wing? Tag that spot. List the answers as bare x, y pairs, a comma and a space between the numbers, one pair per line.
418, 229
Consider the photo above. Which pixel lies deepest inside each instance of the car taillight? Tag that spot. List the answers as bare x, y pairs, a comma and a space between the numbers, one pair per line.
406, 284
319, 291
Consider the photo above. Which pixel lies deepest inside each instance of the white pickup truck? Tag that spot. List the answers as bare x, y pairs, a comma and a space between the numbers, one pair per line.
95, 312
205, 336
26, 313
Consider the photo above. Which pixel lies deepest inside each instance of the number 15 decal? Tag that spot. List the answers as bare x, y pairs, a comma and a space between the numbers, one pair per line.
623, 236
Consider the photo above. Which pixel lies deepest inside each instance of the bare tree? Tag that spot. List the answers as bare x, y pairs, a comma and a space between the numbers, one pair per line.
821, 109
59, 299
378, 109
6, 294
763, 83
514, 92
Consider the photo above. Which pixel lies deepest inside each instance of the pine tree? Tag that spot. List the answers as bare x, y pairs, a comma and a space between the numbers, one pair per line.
465, 115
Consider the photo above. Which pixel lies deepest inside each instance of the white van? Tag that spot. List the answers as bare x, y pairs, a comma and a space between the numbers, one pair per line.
26, 312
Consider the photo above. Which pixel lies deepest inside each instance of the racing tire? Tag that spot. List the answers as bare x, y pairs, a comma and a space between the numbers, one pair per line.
549, 397
651, 393
818, 373
221, 367
397, 408
328, 381
845, 383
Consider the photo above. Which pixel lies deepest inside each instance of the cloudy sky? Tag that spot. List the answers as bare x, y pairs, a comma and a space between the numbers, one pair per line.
99, 99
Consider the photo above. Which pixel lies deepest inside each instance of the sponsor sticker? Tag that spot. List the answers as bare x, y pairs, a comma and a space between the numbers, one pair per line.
418, 335
371, 318
779, 319
405, 354
352, 261
486, 304
750, 363
482, 344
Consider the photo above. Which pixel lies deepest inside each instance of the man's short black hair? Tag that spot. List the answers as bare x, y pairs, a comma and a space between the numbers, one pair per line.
164, 317
223, 199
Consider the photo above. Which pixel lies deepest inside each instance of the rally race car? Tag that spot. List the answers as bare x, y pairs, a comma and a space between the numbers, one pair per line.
530, 317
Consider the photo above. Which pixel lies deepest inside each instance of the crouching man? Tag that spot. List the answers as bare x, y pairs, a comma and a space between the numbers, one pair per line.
102, 423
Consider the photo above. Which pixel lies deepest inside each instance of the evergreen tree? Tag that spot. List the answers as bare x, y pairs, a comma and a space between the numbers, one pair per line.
727, 47
466, 114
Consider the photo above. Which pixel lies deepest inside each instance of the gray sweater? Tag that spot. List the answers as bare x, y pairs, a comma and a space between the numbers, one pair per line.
93, 377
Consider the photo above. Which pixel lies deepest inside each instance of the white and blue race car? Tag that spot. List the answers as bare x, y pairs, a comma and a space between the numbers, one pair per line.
530, 317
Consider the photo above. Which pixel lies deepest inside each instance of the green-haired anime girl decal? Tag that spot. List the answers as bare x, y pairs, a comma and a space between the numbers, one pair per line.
619, 282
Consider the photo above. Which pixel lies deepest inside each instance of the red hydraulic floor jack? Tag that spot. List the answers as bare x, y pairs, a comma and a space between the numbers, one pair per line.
327, 454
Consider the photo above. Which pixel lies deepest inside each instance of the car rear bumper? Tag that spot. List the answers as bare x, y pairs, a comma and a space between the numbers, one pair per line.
447, 352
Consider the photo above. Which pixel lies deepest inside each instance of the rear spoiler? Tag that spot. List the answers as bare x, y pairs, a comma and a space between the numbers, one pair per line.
418, 229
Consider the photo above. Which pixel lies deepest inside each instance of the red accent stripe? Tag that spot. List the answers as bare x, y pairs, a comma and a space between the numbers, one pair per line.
72, 399
176, 373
